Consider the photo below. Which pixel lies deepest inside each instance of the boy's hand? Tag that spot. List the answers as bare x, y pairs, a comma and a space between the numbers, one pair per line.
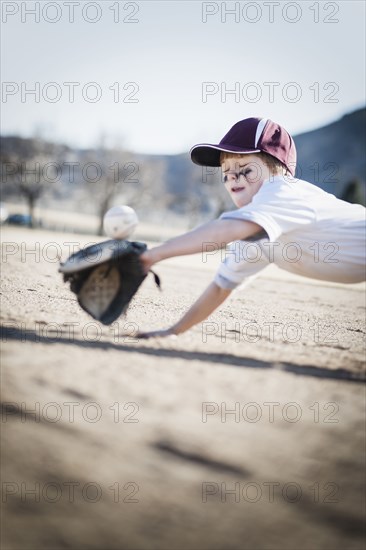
147, 259
211, 298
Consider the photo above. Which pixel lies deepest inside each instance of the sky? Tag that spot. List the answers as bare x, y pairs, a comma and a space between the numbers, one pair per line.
158, 77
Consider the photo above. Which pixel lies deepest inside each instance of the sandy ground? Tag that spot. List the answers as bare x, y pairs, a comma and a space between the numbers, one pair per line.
247, 432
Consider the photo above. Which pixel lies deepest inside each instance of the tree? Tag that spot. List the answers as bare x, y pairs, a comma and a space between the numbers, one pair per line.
110, 175
117, 176
28, 168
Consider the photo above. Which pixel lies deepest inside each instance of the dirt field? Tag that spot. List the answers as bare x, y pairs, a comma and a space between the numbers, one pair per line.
247, 432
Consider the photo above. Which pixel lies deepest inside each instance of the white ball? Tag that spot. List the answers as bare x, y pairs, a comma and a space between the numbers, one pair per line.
119, 222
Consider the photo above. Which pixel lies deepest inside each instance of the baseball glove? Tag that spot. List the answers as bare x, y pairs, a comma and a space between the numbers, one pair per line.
105, 277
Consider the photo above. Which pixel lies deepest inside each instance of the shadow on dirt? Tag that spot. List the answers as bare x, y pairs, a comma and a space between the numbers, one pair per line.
26, 335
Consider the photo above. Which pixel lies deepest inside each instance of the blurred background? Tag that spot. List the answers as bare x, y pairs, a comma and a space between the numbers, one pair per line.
57, 187
102, 104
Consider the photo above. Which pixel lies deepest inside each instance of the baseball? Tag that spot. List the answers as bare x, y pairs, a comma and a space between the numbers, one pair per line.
119, 222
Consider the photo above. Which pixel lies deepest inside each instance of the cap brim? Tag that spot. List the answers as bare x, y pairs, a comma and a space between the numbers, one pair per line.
207, 154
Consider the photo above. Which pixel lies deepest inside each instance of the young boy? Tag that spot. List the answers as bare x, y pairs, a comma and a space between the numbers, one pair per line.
279, 219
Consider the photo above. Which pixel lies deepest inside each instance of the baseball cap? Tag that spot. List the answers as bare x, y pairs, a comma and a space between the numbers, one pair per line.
251, 135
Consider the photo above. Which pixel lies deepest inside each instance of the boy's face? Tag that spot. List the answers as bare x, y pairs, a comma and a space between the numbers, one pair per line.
243, 177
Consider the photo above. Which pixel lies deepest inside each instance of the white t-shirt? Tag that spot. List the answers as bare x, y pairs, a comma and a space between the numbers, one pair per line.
306, 231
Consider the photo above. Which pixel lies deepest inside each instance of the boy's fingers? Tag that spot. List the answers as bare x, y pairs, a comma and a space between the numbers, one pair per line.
147, 260
145, 263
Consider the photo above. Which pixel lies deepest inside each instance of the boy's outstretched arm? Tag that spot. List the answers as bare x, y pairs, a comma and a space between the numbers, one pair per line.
211, 298
219, 232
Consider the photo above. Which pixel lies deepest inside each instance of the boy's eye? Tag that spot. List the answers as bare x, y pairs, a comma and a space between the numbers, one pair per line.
245, 172
241, 173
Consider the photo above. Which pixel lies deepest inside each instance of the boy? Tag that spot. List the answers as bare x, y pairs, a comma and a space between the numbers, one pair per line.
279, 219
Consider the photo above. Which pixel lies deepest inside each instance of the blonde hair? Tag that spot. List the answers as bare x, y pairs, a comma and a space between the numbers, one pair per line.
275, 166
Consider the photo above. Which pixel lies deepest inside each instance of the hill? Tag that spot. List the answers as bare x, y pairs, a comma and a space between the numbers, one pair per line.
334, 155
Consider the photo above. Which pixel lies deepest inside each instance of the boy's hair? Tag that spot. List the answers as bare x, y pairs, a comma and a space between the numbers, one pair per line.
273, 164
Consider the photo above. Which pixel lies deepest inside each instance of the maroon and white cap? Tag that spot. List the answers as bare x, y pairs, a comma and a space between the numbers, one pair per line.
251, 135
